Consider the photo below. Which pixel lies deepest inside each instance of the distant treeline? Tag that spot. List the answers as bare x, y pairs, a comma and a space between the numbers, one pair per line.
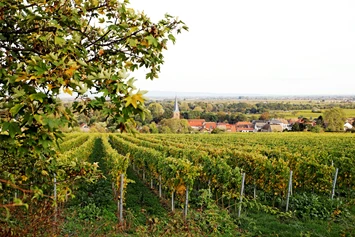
217, 111
247, 108
233, 112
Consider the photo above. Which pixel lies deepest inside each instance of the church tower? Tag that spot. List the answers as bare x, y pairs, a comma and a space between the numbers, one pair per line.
176, 109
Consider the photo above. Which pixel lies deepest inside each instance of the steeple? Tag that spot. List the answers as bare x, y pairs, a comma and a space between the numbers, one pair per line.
176, 105
176, 113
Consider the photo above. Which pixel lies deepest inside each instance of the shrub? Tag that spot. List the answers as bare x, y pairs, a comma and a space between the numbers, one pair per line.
311, 206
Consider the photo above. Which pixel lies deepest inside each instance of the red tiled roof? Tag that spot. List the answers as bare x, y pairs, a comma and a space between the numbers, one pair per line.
243, 123
284, 121
196, 122
222, 123
210, 125
231, 127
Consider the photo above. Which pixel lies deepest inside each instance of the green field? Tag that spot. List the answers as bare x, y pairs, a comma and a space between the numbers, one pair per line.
350, 113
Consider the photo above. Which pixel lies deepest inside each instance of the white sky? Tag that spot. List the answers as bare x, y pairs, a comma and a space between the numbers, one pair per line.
278, 47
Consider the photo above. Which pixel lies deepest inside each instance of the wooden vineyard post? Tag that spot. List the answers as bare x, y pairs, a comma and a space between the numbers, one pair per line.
143, 175
151, 183
172, 201
55, 199
186, 201
159, 186
254, 189
121, 200
334, 182
241, 195
209, 186
289, 190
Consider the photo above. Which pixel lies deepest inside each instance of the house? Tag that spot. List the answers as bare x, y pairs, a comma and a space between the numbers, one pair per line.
292, 121
287, 127
244, 127
209, 126
222, 126
306, 122
347, 126
227, 127
84, 127
258, 124
274, 121
350, 120
196, 124
283, 122
230, 128
272, 128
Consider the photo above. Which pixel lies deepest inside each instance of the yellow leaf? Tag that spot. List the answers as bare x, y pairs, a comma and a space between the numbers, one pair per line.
95, 164
101, 11
44, 172
95, 3
128, 64
134, 99
24, 177
181, 189
128, 101
133, 29
68, 91
23, 77
69, 72
49, 86
145, 43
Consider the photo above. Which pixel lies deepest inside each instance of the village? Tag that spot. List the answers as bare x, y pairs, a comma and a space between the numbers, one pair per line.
161, 119
272, 125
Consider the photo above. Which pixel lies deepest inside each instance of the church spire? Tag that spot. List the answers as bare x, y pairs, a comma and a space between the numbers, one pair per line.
176, 105
176, 113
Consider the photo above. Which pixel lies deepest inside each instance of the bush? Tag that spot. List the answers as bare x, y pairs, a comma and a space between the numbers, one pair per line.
317, 129
311, 206
217, 131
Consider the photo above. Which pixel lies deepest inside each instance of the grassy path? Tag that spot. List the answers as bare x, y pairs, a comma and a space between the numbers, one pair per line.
143, 208
93, 210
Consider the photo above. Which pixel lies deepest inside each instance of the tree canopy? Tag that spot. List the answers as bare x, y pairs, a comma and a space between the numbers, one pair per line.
81, 48
156, 110
174, 126
335, 119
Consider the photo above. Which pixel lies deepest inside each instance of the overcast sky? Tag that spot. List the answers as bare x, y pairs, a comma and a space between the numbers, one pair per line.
276, 47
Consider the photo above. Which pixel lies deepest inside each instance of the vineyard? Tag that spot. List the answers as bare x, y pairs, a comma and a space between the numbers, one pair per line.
292, 176
219, 161
182, 165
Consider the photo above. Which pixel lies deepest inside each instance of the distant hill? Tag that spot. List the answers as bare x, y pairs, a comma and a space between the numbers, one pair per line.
171, 94
161, 95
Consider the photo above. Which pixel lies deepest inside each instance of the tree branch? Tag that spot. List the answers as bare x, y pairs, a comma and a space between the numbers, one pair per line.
18, 32
99, 39
93, 8
15, 186
19, 49
121, 39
